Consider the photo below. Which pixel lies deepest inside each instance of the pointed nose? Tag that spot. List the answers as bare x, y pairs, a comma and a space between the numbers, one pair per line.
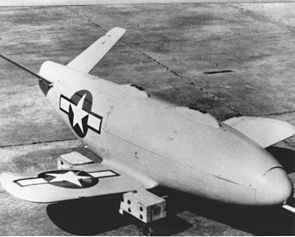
274, 187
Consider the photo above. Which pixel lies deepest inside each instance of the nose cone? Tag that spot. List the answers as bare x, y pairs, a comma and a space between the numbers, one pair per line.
274, 187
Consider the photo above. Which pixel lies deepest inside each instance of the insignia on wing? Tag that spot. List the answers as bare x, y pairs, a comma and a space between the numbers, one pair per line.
73, 179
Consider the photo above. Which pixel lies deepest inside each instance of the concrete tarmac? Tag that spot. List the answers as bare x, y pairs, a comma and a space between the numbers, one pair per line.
9, 3
223, 58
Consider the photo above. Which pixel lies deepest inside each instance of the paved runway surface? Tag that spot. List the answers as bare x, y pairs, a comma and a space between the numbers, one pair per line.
221, 58
116, 2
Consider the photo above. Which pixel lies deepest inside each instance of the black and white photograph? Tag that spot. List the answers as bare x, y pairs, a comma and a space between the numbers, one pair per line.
145, 117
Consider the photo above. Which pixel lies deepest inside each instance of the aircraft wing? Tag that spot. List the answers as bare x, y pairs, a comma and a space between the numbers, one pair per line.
264, 131
67, 184
85, 61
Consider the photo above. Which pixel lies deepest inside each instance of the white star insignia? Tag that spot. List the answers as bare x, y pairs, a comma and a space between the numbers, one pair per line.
69, 176
79, 113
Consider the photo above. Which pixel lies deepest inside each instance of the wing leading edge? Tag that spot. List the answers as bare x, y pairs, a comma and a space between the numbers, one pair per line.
264, 131
85, 61
79, 181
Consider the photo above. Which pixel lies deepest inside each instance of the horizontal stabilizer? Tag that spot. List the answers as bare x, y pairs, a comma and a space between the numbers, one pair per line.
85, 61
264, 131
63, 184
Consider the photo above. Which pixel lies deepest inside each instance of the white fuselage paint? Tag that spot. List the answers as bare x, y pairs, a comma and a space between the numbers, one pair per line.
164, 144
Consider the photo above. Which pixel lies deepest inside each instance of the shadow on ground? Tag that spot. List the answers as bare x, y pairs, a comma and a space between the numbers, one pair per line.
254, 220
87, 216
98, 215
285, 156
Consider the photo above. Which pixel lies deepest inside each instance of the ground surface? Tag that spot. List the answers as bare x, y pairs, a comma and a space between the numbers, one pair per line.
171, 51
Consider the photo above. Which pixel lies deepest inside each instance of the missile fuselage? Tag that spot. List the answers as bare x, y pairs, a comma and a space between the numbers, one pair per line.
178, 147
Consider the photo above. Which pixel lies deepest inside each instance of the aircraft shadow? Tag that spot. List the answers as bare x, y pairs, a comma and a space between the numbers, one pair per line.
285, 156
98, 215
86, 216
254, 220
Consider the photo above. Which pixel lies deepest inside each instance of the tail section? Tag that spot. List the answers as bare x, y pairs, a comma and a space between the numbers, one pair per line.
85, 61
44, 83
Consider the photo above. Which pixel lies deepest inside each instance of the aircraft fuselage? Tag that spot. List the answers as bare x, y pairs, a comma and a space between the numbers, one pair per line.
177, 147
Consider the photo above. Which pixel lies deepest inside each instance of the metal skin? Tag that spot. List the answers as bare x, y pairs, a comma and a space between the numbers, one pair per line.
156, 141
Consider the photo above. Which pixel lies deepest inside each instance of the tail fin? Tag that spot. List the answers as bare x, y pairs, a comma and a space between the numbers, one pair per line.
85, 61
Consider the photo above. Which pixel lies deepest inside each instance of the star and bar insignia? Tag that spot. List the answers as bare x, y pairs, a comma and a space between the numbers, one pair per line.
73, 179
79, 110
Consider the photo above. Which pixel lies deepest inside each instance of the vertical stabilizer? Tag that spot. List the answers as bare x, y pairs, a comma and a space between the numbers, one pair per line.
85, 61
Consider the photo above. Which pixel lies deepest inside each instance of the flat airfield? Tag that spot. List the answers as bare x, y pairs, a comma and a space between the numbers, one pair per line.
222, 58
